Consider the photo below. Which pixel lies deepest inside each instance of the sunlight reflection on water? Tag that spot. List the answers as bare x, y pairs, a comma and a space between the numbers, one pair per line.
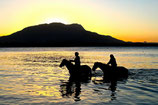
33, 76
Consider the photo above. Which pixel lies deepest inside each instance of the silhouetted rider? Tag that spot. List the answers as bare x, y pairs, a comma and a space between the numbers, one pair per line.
112, 61
76, 60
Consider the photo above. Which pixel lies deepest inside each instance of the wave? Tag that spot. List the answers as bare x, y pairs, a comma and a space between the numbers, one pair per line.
144, 75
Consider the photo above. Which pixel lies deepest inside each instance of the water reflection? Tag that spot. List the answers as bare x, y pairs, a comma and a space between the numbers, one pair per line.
72, 88
112, 86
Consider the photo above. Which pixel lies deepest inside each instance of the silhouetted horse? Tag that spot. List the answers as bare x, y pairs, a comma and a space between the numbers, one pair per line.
109, 73
83, 71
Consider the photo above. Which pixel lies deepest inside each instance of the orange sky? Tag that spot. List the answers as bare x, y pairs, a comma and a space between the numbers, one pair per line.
128, 20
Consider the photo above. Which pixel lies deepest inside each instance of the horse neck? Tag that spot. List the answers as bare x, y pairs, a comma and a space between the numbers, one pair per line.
101, 65
69, 66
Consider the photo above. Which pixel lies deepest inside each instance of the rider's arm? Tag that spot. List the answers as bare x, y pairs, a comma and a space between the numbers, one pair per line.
109, 62
72, 61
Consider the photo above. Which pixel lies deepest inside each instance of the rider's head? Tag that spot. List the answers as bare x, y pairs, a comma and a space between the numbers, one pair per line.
76, 53
111, 56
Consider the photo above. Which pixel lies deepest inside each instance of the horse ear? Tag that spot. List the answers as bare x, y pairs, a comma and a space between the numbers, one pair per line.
95, 63
64, 60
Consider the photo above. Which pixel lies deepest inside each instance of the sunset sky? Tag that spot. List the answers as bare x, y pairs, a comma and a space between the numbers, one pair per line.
128, 20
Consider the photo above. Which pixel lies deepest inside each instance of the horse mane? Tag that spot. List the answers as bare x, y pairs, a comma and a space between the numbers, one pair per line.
68, 62
99, 63
103, 65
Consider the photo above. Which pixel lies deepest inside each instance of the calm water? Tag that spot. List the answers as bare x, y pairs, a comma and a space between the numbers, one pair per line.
32, 76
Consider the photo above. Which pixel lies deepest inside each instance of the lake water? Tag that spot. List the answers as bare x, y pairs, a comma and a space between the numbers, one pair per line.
33, 76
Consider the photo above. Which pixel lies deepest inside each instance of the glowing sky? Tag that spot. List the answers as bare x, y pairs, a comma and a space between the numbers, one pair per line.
129, 20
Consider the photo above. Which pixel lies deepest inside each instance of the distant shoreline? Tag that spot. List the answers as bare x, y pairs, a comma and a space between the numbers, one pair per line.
87, 45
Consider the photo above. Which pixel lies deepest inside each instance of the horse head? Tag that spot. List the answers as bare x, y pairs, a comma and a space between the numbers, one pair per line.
63, 63
102, 66
95, 66
66, 63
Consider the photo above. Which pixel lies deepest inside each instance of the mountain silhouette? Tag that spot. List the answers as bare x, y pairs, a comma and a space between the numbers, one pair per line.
57, 34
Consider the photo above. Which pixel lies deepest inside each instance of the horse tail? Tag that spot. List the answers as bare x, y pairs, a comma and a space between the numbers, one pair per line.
90, 72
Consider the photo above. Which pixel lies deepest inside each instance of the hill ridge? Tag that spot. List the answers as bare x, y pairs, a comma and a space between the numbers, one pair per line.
57, 34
